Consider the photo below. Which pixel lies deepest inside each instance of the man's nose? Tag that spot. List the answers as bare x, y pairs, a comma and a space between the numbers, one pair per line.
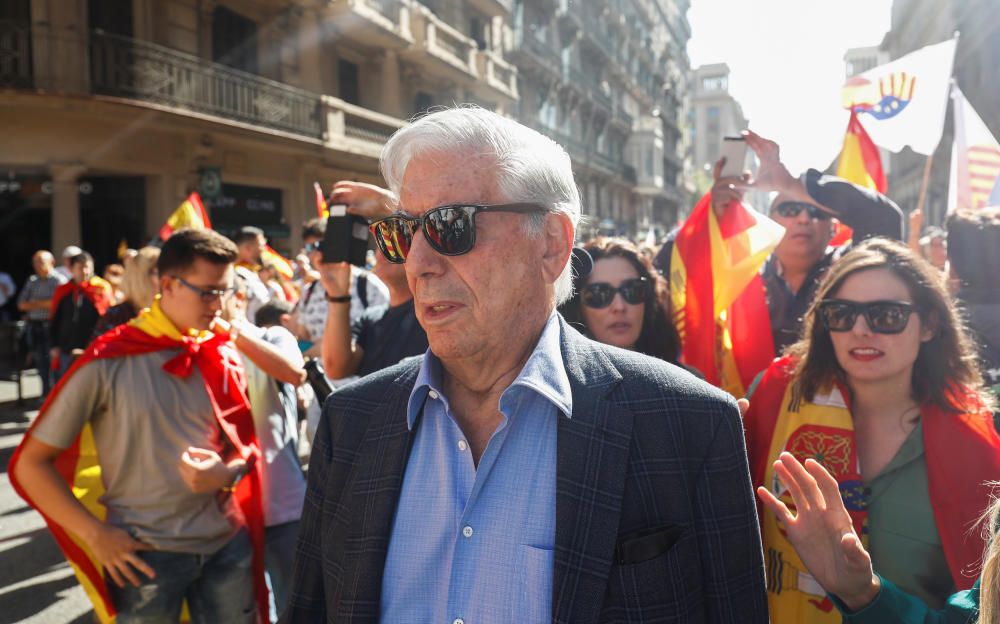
422, 259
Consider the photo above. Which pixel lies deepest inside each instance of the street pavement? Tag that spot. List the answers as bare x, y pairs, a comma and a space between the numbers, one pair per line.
37, 586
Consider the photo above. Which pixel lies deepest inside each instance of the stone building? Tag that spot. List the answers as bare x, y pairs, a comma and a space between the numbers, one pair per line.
114, 110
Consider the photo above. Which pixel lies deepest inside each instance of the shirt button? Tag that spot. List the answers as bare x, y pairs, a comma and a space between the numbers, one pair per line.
458, 621
462, 445
432, 394
467, 531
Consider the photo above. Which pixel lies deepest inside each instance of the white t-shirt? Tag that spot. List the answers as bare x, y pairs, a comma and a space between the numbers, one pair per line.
311, 308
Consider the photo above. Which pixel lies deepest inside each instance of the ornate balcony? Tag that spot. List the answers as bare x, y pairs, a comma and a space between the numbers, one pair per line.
494, 8
440, 49
536, 56
354, 129
498, 75
384, 23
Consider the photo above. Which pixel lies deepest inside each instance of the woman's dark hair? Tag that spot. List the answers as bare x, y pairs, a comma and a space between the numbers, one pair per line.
658, 336
945, 372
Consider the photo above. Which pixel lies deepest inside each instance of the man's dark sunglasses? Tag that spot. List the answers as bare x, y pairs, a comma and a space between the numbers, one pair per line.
791, 209
883, 317
449, 230
601, 294
207, 295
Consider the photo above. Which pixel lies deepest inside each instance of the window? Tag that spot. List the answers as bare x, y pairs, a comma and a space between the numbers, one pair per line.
422, 101
347, 82
234, 40
714, 83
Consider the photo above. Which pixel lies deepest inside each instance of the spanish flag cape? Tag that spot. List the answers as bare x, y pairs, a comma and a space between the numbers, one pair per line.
717, 295
219, 365
96, 290
962, 452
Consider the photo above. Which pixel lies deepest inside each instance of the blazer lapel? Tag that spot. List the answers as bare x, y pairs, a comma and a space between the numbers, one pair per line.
592, 458
374, 494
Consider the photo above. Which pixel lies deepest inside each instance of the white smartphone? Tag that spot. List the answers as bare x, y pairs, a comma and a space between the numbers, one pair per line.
734, 150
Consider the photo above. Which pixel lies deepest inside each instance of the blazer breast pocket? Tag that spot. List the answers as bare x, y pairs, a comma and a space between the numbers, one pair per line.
651, 562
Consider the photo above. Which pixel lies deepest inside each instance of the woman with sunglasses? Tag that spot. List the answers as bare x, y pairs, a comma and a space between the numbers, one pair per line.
622, 301
883, 391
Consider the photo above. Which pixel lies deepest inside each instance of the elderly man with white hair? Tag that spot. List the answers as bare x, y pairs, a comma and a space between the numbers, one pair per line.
518, 472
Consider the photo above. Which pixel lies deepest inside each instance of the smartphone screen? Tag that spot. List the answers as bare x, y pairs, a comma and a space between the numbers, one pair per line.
734, 150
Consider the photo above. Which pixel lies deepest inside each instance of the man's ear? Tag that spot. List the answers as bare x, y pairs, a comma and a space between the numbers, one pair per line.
558, 235
166, 284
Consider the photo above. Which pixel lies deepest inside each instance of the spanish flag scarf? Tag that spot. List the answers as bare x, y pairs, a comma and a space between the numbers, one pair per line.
962, 453
221, 368
95, 290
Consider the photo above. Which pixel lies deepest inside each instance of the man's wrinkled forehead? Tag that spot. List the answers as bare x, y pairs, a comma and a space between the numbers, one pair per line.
438, 179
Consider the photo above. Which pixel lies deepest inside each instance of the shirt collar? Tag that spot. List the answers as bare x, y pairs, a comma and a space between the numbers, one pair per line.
544, 374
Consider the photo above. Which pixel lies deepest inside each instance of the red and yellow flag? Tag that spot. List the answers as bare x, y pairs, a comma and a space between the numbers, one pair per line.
717, 295
321, 210
859, 163
190, 214
280, 263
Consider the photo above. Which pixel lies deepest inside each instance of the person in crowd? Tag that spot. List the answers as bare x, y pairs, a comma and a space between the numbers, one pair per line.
250, 242
805, 207
176, 512
114, 274
76, 307
383, 335
139, 284
974, 261
277, 287
273, 365
68, 253
35, 301
623, 301
515, 473
930, 243
7, 291
883, 390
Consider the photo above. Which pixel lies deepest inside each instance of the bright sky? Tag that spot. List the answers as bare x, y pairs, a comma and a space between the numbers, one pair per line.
787, 65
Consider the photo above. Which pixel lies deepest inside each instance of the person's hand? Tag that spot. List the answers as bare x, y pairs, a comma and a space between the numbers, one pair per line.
365, 200
744, 405
726, 190
116, 550
336, 278
822, 532
204, 471
772, 175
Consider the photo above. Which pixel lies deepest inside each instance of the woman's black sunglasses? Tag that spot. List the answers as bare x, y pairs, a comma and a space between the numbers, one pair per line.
449, 230
601, 294
883, 317
791, 209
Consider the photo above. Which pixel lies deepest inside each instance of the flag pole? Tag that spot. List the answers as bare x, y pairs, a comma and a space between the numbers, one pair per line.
923, 185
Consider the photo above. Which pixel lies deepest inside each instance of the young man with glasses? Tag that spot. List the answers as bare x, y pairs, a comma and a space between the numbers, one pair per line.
144, 461
517, 472
805, 207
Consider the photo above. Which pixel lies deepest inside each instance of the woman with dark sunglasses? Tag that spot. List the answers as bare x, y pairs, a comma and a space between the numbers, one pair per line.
883, 391
622, 301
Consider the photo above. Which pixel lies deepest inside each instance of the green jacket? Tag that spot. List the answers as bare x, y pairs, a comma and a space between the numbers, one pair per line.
894, 606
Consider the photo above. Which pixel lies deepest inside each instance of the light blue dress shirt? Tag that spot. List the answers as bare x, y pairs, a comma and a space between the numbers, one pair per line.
476, 546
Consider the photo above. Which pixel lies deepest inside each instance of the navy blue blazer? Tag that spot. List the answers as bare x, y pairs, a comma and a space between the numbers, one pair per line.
655, 515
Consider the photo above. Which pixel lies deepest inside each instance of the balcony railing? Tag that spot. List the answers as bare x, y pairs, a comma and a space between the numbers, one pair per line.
441, 41
355, 129
498, 73
124, 67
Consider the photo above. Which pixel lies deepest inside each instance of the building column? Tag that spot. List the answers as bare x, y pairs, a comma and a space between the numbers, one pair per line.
65, 205
391, 103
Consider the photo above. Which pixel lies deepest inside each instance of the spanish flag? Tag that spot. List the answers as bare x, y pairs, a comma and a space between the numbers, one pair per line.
717, 294
190, 214
280, 263
215, 357
321, 210
859, 163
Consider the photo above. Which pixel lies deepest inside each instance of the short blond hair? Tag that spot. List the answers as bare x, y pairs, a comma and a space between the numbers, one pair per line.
137, 284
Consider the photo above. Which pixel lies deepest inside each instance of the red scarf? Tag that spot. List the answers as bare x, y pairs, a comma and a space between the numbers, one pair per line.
962, 451
225, 383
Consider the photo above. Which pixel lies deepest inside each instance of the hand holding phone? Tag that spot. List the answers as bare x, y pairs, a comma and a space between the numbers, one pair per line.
734, 150
346, 237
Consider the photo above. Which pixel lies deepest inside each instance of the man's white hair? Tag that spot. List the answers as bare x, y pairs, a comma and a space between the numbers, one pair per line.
530, 167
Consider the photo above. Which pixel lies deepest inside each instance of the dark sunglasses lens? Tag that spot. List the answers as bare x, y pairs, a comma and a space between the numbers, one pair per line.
597, 295
789, 209
838, 317
887, 318
393, 237
449, 230
634, 291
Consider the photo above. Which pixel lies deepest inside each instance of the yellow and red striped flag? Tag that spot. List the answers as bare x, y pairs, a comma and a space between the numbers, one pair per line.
190, 214
717, 294
975, 159
280, 263
321, 210
859, 163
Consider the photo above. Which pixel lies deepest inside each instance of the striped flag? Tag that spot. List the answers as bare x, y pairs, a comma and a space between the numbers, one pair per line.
859, 163
280, 263
975, 159
717, 294
190, 214
321, 209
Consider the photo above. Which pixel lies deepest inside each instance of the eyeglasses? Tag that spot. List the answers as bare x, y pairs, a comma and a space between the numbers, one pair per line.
207, 295
791, 209
449, 230
600, 294
883, 317
311, 247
